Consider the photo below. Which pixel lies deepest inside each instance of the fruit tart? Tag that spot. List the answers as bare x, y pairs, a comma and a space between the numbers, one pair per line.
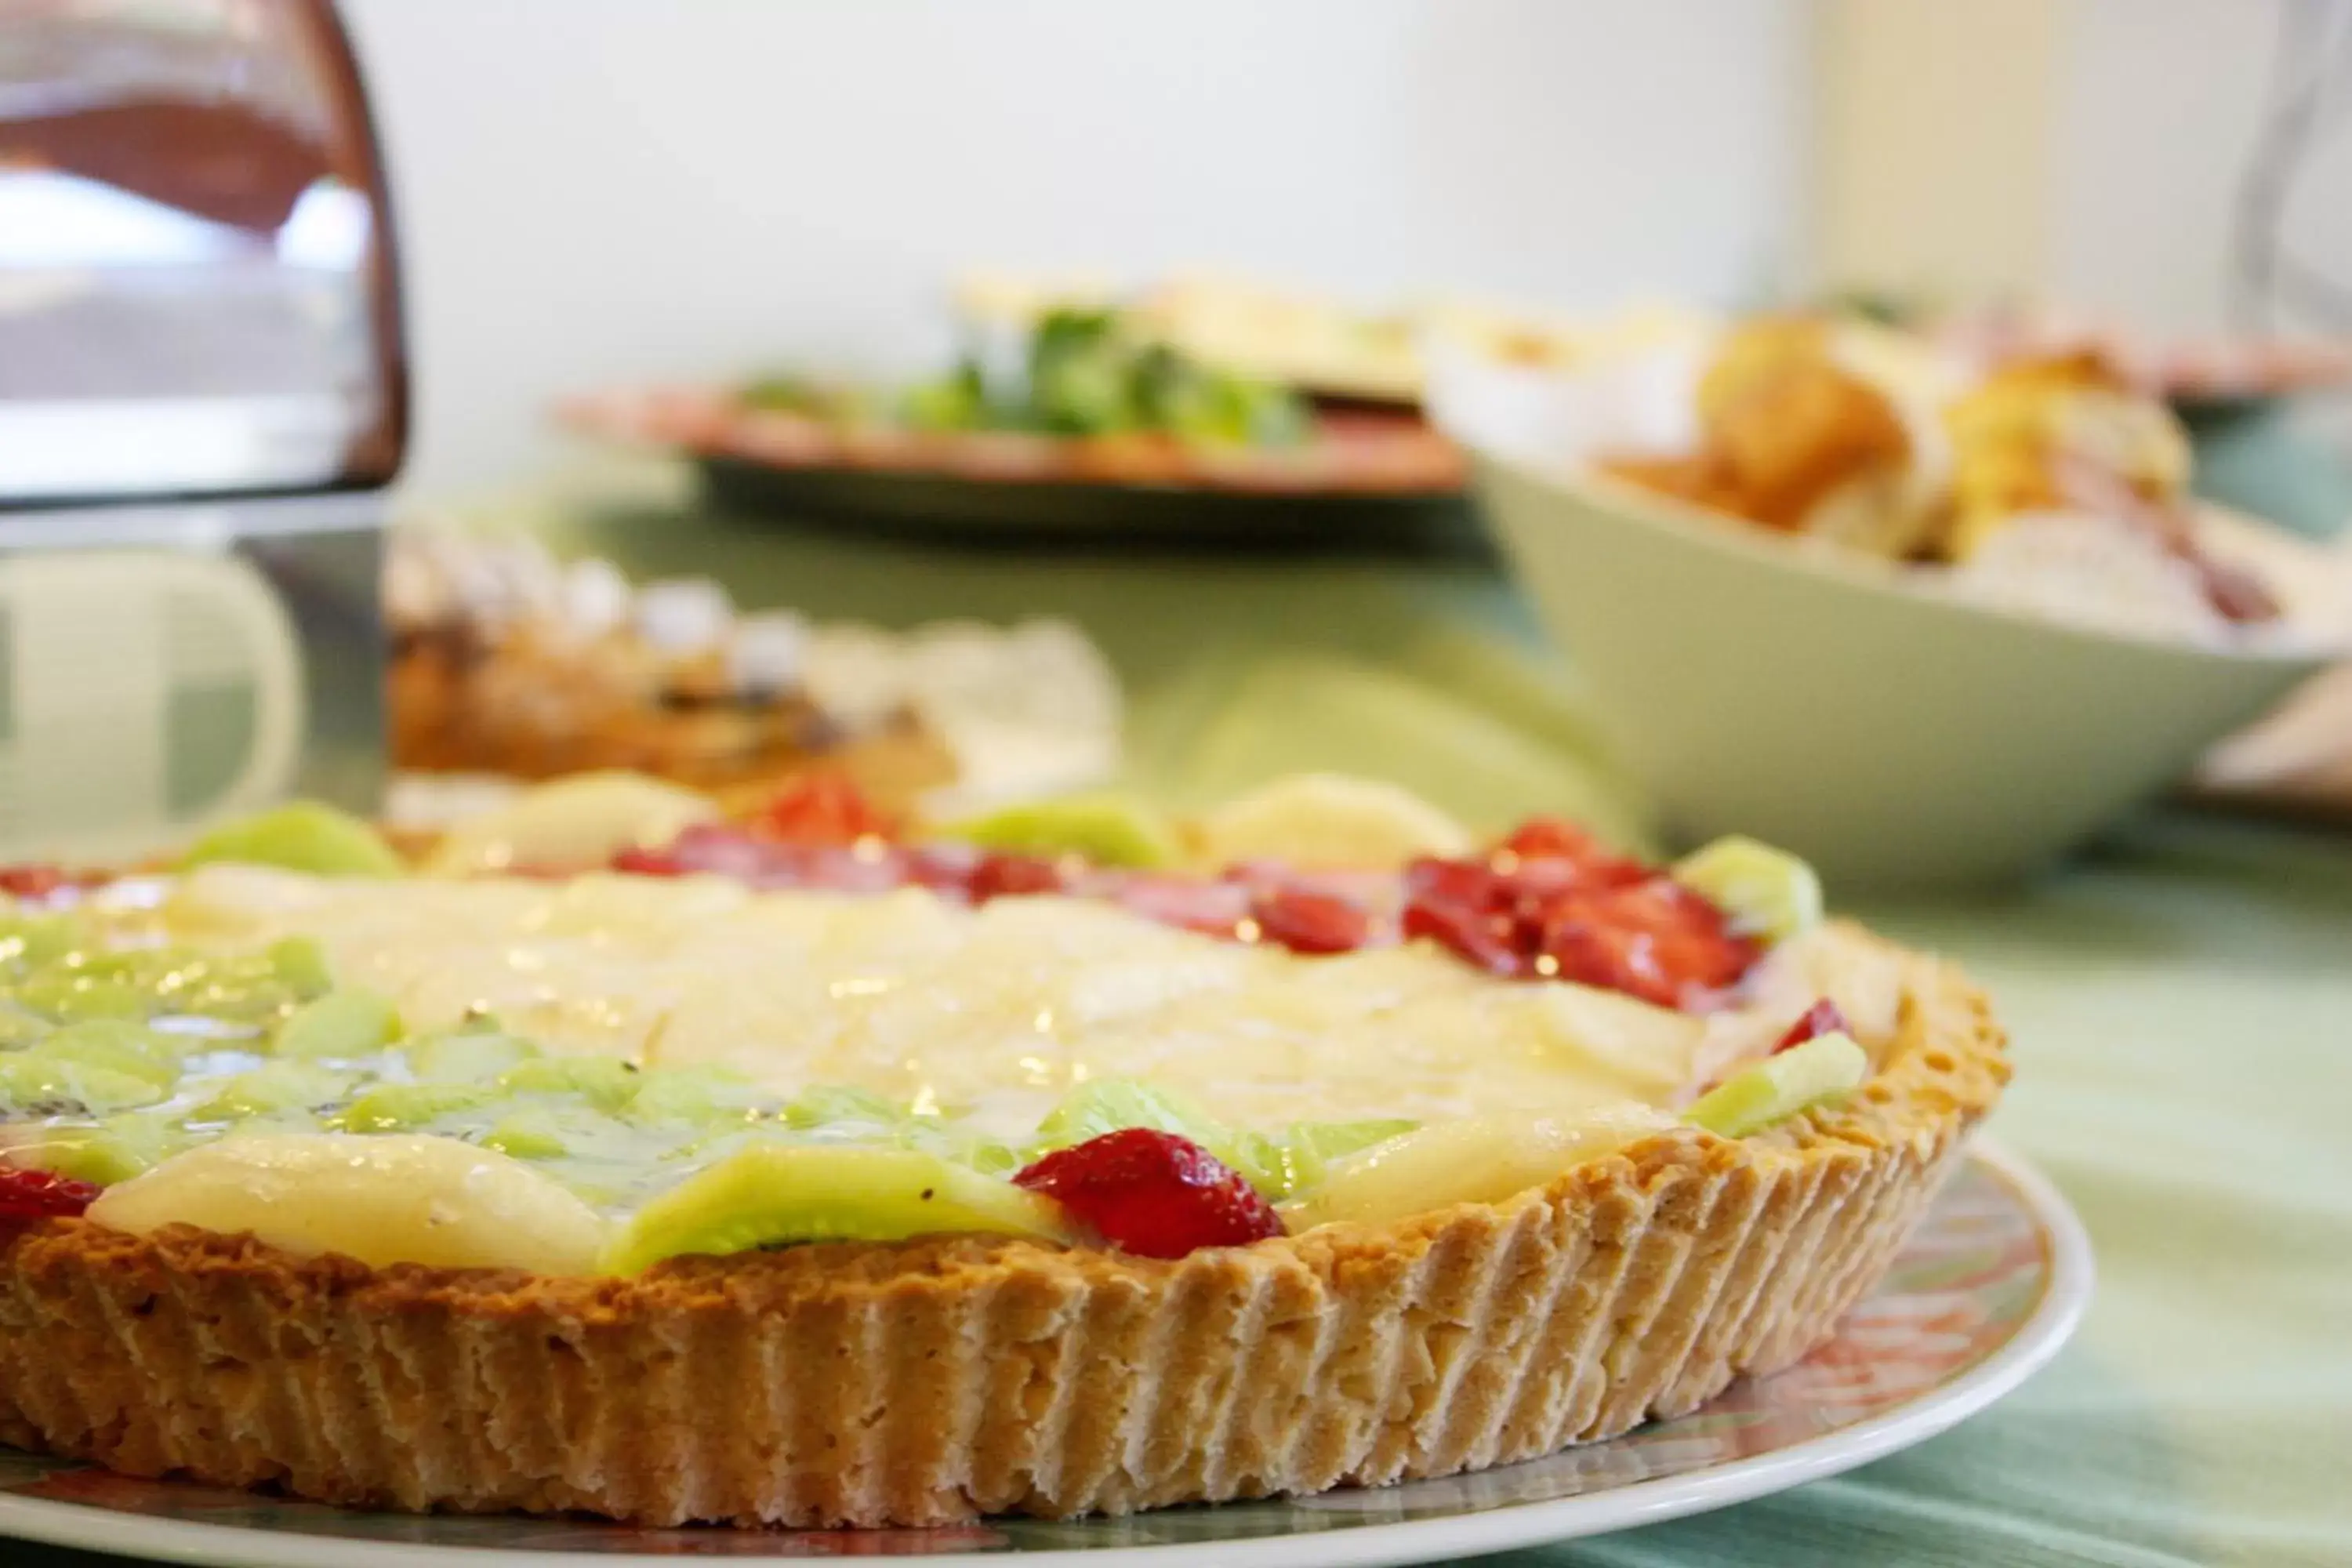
819, 1168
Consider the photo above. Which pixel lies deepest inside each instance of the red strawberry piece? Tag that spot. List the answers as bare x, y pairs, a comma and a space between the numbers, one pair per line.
31, 881
945, 868
1822, 1019
1658, 941
1544, 844
650, 863
1549, 838
824, 808
1593, 953
1468, 884
1002, 876
1468, 931
30, 1194
1307, 922
1153, 1193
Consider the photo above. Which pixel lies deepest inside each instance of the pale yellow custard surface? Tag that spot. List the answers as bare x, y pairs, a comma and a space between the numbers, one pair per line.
998, 1009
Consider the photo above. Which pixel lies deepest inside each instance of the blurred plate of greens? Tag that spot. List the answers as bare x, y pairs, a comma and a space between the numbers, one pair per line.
1077, 425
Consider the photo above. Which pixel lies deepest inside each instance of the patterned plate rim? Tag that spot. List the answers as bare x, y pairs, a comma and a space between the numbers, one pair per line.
2065, 1295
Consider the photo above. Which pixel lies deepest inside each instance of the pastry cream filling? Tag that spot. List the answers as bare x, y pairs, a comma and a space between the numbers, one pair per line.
983, 1017
1001, 1008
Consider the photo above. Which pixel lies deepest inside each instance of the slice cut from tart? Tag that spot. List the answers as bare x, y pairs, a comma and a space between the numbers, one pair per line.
802, 1171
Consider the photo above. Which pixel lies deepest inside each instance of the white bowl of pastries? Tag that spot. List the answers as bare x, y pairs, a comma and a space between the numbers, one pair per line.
1925, 620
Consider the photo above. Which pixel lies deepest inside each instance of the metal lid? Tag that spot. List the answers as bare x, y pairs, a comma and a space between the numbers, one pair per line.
197, 288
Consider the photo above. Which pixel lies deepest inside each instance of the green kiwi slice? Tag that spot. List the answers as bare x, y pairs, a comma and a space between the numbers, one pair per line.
779, 1193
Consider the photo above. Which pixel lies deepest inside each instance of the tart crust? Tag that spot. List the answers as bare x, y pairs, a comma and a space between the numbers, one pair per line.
928, 1381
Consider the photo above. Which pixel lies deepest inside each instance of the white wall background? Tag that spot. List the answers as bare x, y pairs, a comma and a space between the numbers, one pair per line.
2092, 152
597, 190
2158, 109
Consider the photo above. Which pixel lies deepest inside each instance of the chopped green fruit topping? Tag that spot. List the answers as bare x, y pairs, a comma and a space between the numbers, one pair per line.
1274, 1163
828, 1104
779, 1193
527, 1135
273, 1087
115, 1150
341, 1023
32, 941
700, 1095
116, 1043
300, 836
64, 992
402, 1107
603, 1082
19, 1027
1299, 1159
301, 966
570, 1131
35, 1084
1823, 1069
1106, 1105
989, 1156
466, 1055
1768, 892
1107, 829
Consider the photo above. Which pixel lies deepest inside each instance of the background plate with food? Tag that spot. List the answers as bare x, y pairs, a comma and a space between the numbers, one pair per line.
1080, 422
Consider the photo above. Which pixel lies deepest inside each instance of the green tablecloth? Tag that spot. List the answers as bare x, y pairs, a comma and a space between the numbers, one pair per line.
2182, 1004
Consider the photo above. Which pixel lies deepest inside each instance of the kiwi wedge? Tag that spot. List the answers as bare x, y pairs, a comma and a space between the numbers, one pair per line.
341, 1023
1825, 1068
605, 1082
112, 1151
300, 836
778, 1194
273, 1087
465, 1056
1768, 893
1107, 828
33, 1083
406, 1106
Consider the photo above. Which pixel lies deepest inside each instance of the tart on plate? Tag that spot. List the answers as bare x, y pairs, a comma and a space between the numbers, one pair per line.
822, 1168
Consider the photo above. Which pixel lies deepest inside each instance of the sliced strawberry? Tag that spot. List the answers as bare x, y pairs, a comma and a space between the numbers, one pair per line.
822, 808
30, 1194
1002, 876
1469, 933
1658, 941
1549, 838
650, 863
1466, 884
1153, 1193
1822, 1019
1546, 840
1307, 922
31, 881
1591, 952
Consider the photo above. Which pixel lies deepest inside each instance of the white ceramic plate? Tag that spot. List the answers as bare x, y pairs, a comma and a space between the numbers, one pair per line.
1988, 1290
